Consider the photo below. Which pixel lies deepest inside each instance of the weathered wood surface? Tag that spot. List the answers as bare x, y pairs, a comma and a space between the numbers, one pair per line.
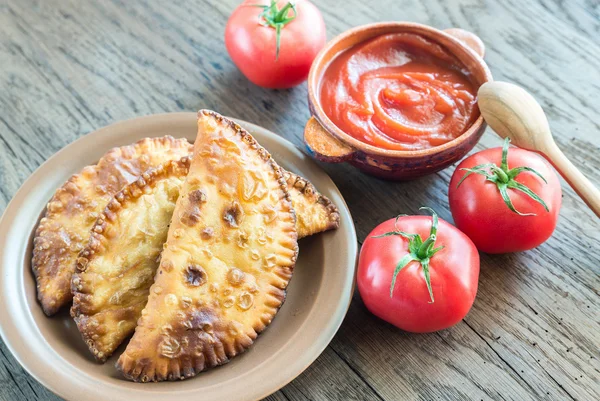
68, 67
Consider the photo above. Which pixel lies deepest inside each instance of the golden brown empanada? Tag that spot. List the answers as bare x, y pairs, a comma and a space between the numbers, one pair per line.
115, 271
64, 229
112, 282
314, 212
216, 287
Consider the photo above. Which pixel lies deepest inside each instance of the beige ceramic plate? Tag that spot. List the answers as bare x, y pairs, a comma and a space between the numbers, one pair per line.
51, 348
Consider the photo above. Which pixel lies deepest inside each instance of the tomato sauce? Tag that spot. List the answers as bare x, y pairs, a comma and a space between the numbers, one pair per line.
399, 91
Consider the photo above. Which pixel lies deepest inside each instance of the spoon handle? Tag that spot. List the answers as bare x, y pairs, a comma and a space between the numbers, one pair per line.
584, 188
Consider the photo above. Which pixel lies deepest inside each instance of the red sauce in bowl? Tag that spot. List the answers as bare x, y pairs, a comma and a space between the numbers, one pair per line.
399, 91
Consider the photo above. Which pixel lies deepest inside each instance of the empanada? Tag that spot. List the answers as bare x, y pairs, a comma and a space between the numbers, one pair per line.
112, 283
115, 271
314, 212
64, 229
217, 287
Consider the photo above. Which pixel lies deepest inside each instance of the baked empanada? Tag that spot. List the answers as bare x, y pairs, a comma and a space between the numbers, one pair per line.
115, 271
112, 282
64, 229
216, 287
314, 212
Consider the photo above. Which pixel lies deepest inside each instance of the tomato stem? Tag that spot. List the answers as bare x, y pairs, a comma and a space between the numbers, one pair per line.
276, 18
282, 14
418, 250
426, 247
504, 178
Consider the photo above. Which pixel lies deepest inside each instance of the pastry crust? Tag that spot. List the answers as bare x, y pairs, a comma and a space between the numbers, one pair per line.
64, 229
216, 288
115, 271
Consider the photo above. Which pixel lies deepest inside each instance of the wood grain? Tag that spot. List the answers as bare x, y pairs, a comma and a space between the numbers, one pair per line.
70, 67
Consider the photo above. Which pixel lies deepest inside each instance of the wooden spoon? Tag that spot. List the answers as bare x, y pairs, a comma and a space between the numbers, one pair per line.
514, 113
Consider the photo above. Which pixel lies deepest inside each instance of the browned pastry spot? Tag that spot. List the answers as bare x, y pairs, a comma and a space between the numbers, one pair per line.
195, 275
233, 215
197, 197
64, 230
185, 329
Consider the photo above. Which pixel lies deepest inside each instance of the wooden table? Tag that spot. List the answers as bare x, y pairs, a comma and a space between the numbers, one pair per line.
69, 67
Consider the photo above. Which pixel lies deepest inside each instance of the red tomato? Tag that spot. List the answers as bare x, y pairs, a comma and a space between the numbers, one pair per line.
480, 211
251, 41
453, 273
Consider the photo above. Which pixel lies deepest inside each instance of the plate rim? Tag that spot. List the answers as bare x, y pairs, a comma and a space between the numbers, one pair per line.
7, 221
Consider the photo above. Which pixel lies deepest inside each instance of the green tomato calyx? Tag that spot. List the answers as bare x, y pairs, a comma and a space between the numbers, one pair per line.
276, 18
504, 178
418, 250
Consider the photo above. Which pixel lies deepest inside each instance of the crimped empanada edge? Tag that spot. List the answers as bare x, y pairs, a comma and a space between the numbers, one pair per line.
128, 194
187, 367
307, 189
50, 304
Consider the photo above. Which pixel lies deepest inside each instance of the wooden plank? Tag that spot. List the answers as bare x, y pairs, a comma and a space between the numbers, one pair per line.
278, 396
16, 384
328, 378
533, 332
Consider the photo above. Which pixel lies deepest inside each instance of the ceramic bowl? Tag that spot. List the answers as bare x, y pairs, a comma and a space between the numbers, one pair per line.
326, 142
